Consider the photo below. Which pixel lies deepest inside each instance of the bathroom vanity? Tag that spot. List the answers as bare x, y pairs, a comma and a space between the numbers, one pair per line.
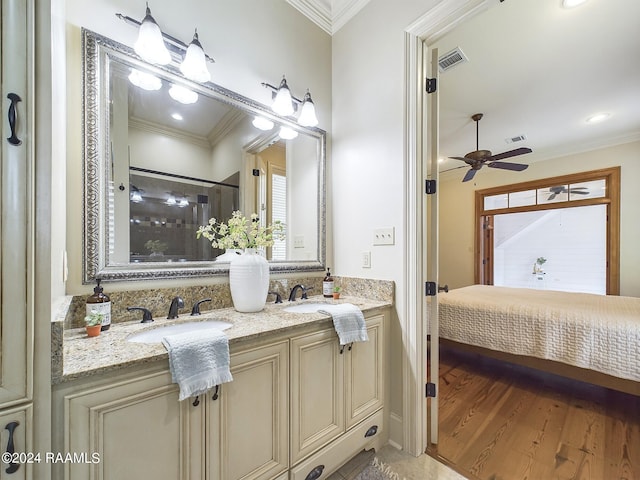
299, 405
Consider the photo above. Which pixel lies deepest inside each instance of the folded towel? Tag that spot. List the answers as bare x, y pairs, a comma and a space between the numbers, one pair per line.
348, 321
199, 360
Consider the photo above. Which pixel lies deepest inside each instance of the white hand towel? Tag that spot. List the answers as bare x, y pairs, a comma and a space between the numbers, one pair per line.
348, 321
199, 360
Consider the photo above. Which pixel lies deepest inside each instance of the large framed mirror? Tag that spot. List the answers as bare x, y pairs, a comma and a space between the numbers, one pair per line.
163, 154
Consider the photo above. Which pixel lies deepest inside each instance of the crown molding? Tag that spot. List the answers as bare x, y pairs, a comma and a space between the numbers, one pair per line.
330, 15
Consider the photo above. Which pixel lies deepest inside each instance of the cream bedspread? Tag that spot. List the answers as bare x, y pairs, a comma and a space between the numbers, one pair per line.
596, 332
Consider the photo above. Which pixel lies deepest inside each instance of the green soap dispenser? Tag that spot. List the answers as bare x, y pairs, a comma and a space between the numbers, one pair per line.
100, 302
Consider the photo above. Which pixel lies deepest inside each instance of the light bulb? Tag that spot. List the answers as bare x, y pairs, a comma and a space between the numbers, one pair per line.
145, 80
262, 123
150, 44
283, 103
194, 65
171, 200
136, 197
307, 116
183, 95
287, 133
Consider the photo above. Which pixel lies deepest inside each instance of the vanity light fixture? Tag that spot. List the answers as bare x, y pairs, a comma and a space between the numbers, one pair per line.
286, 104
136, 194
183, 202
171, 199
262, 123
307, 116
287, 133
194, 65
144, 80
183, 95
176, 116
150, 44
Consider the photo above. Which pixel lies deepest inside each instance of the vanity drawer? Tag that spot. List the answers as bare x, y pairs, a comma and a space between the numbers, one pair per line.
337, 453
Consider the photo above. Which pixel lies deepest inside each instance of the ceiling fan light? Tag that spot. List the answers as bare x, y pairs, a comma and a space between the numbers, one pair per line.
144, 80
287, 133
150, 44
262, 123
194, 65
307, 116
183, 95
283, 103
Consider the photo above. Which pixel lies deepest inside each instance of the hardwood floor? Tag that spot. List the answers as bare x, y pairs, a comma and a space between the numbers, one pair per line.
503, 422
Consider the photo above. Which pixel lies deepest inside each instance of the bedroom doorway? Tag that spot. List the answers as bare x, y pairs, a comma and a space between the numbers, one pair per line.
559, 233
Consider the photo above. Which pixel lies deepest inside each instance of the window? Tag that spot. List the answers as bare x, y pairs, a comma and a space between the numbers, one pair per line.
511, 235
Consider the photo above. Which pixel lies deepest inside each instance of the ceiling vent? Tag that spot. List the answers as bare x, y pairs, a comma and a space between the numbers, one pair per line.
519, 138
453, 58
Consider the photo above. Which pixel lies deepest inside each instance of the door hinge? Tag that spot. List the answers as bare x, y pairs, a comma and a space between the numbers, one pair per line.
430, 289
431, 85
430, 390
255, 172
430, 187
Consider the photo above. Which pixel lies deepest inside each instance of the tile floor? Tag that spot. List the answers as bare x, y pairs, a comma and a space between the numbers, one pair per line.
407, 466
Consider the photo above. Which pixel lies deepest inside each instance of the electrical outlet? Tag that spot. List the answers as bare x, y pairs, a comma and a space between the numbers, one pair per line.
298, 241
366, 259
384, 236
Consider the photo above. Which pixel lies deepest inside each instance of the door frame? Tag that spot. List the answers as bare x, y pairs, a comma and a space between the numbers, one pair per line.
435, 23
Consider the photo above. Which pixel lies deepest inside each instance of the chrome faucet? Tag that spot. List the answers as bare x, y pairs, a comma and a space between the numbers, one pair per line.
294, 290
176, 304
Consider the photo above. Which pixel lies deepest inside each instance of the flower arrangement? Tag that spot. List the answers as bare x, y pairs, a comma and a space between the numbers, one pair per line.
537, 267
240, 232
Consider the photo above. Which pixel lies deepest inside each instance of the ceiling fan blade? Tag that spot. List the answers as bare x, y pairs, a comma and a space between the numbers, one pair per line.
578, 192
510, 153
518, 167
464, 159
551, 197
470, 174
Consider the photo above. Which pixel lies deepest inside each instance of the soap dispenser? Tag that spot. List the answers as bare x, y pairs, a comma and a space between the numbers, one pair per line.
100, 302
327, 285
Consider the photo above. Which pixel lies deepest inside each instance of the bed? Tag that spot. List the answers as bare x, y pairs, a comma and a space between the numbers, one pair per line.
593, 338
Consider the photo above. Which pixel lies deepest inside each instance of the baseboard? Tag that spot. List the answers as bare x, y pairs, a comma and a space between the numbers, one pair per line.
395, 431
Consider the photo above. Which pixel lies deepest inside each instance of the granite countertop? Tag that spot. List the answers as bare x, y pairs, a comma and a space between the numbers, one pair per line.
82, 356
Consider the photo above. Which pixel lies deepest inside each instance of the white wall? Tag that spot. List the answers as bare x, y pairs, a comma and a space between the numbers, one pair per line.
251, 42
457, 209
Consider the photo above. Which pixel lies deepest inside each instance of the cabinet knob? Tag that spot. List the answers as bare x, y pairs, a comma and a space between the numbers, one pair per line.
13, 467
315, 473
196, 402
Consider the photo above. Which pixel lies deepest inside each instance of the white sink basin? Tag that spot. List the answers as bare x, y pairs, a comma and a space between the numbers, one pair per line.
306, 307
154, 335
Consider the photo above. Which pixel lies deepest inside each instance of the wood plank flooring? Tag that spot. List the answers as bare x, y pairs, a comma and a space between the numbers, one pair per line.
503, 422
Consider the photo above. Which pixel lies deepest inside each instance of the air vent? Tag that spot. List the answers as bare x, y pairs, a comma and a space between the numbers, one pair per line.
519, 138
453, 58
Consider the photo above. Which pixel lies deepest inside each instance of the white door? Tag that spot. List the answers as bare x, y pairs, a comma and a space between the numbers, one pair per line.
432, 117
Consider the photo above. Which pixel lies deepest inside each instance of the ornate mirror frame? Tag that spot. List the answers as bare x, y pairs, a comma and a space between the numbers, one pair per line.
97, 50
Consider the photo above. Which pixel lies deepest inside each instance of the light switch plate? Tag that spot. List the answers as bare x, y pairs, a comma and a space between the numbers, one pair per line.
384, 236
298, 241
366, 259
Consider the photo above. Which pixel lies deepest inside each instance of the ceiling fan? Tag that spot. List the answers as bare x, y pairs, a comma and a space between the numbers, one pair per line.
478, 158
563, 189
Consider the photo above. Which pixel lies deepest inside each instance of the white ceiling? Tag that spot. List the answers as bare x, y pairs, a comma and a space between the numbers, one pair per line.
539, 70
535, 69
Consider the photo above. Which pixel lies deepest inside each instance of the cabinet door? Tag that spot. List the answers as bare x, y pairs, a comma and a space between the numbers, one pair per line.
128, 430
364, 374
15, 192
248, 423
317, 392
15, 437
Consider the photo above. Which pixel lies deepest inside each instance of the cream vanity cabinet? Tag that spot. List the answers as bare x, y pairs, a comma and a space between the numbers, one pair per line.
337, 397
16, 240
137, 428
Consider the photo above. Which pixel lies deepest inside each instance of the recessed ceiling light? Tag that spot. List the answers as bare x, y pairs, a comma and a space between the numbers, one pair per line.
176, 116
572, 3
598, 117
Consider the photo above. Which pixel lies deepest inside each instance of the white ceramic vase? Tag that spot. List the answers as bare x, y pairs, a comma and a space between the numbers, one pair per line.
249, 281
